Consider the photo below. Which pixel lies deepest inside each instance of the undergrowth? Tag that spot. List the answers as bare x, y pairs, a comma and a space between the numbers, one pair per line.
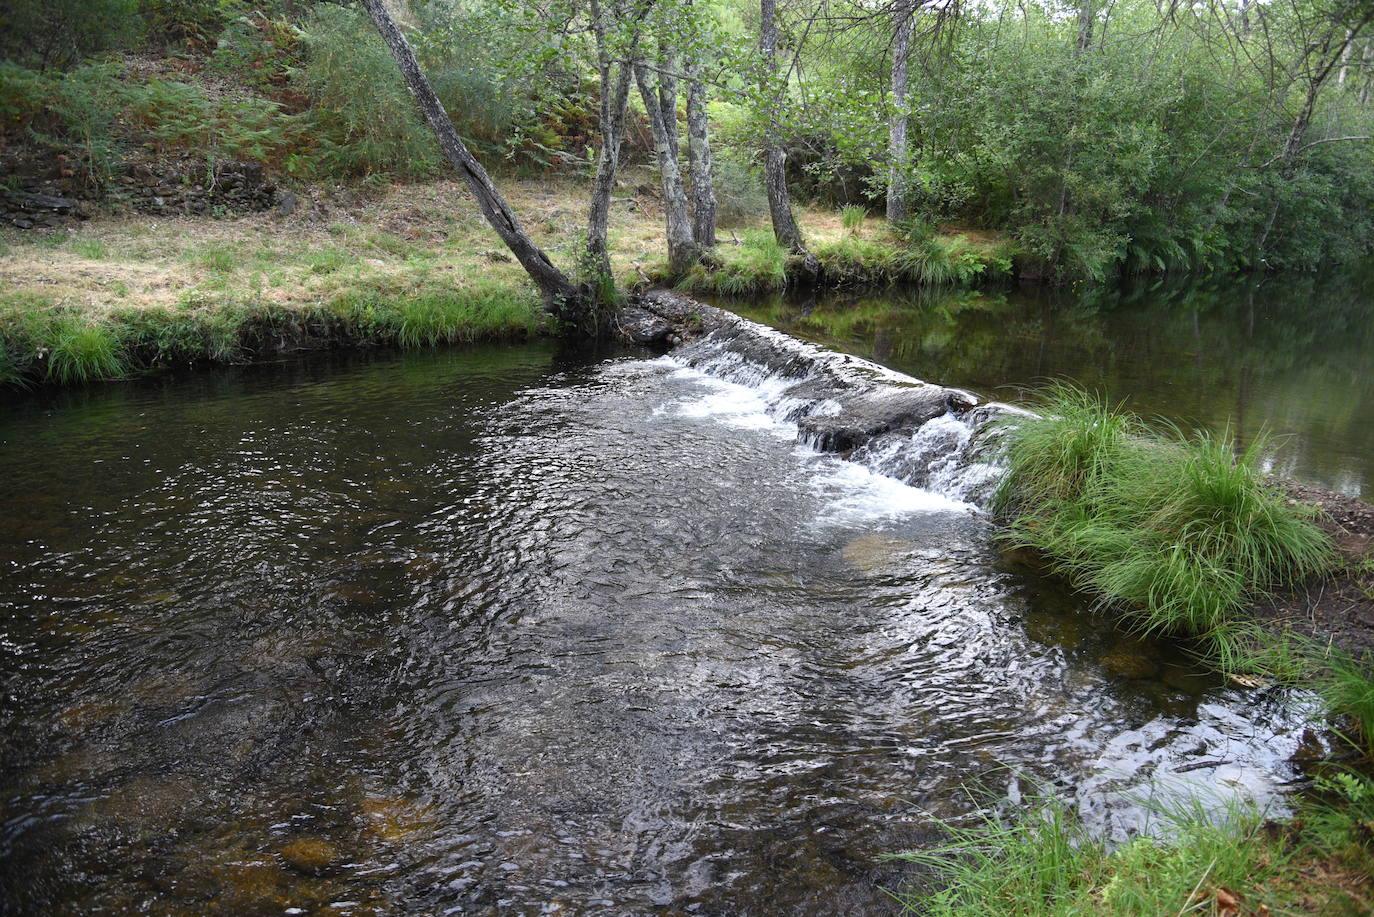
932, 261
758, 264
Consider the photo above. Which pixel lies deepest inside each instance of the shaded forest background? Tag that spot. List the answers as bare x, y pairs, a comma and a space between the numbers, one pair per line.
1100, 137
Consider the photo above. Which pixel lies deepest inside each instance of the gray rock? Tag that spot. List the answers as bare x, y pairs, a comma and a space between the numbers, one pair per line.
865, 415
287, 203
643, 327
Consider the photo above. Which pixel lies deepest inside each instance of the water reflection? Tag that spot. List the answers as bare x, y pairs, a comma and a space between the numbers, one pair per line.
1290, 354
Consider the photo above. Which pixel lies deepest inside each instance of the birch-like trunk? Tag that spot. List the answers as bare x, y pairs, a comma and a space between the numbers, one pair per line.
785, 228
699, 161
1087, 19
897, 152
615, 94
682, 250
559, 292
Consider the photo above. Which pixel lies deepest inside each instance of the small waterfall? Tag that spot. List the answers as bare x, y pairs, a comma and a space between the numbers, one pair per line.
943, 440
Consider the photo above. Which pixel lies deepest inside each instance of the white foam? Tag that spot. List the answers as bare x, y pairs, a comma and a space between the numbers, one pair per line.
855, 494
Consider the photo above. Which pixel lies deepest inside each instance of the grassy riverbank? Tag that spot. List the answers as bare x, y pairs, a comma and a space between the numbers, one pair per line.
1183, 536
412, 265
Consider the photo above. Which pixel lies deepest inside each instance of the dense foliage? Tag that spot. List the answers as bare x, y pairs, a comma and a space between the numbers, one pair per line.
1103, 138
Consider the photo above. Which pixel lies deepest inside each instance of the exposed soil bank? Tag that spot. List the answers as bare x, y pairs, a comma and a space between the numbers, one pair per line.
1338, 608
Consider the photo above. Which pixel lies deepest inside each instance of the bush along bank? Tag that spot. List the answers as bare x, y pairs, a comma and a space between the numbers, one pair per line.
1183, 536
757, 263
41, 342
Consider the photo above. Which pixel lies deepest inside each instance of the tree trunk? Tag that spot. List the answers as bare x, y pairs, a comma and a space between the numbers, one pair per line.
559, 292
682, 250
775, 157
667, 101
699, 161
1292, 144
1087, 19
897, 190
615, 93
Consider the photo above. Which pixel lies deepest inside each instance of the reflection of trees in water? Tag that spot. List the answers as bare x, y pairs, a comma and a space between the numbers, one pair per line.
1293, 354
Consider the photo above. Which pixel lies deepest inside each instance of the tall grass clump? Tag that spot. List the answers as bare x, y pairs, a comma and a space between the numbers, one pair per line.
852, 218
480, 310
1181, 530
81, 350
1346, 684
10, 372
932, 261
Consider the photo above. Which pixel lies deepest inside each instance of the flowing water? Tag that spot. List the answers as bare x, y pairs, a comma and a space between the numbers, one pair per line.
521, 630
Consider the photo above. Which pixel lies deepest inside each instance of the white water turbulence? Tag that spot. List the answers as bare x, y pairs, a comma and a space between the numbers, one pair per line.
949, 454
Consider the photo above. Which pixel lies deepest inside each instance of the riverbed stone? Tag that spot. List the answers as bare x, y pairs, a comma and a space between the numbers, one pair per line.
865, 415
641, 326
310, 855
870, 553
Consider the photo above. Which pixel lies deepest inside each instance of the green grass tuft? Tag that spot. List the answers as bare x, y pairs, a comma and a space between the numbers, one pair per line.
80, 351
852, 217
93, 249
1181, 530
757, 265
1047, 863
327, 260
42, 341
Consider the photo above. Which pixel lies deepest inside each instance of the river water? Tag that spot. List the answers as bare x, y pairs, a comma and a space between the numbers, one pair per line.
526, 630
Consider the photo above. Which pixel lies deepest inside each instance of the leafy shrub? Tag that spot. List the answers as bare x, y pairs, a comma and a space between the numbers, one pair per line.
78, 118
50, 34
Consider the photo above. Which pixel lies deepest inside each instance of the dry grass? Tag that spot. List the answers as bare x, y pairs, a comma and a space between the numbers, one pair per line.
405, 238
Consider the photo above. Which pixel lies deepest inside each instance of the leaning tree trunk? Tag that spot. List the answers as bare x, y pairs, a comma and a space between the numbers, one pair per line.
699, 161
682, 249
775, 157
559, 292
897, 190
1292, 145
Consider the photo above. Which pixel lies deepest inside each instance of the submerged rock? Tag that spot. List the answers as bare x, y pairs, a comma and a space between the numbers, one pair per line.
310, 855
1131, 659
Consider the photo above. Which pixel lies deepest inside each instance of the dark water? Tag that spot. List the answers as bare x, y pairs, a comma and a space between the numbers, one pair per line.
1292, 355
524, 631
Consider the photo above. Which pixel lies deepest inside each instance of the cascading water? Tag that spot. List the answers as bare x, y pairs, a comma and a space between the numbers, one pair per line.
937, 439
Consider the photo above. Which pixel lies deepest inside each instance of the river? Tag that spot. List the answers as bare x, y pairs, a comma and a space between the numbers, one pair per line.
529, 629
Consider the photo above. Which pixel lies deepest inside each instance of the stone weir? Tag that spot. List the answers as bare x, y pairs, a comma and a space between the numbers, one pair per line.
929, 436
